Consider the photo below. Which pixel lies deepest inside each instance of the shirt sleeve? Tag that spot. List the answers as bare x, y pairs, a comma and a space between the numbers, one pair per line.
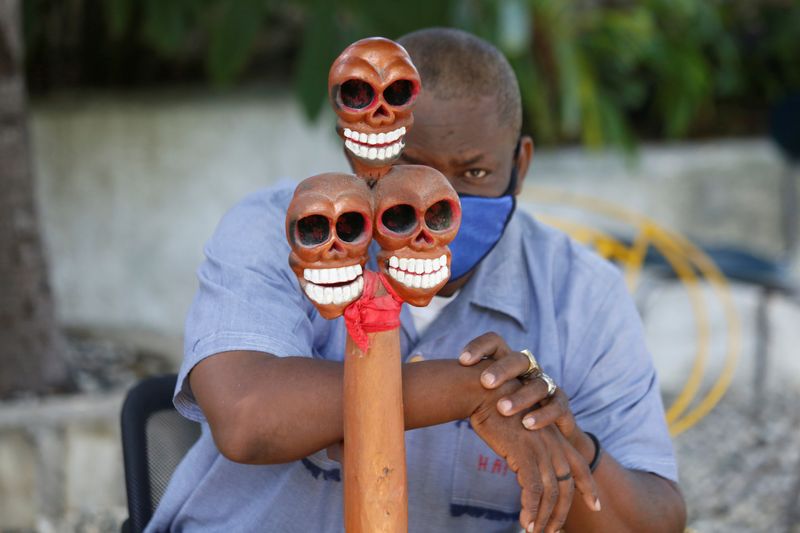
617, 396
247, 297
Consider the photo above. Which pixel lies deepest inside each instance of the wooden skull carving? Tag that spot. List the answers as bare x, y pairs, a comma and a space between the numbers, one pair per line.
417, 214
329, 228
372, 86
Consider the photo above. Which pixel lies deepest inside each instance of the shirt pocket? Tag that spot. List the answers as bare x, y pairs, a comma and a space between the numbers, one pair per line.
483, 484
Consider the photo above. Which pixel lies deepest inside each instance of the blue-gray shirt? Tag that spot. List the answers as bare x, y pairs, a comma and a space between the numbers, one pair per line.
537, 289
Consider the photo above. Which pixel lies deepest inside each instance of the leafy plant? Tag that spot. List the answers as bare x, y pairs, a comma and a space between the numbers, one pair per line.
600, 72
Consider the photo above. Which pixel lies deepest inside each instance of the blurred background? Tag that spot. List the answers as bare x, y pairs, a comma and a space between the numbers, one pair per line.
666, 138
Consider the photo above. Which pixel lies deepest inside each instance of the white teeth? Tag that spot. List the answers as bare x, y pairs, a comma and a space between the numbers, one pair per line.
360, 285
443, 260
346, 294
381, 138
403, 130
363, 151
435, 264
307, 274
382, 153
338, 296
416, 281
324, 275
327, 295
426, 281
420, 266
362, 137
391, 136
372, 154
401, 276
404, 263
309, 290
348, 132
343, 274
393, 272
445, 272
351, 273
358, 270
315, 276
393, 262
412, 265
372, 139
319, 294
428, 266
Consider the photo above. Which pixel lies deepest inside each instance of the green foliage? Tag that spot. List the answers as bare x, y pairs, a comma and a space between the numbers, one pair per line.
601, 72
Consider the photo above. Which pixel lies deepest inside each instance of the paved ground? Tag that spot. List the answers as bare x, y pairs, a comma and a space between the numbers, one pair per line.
741, 474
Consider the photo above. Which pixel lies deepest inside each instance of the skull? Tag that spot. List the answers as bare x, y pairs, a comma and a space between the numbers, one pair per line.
372, 86
417, 214
329, 228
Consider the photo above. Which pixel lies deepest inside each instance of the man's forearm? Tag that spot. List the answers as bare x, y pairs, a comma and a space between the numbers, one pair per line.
631, 500
264, 409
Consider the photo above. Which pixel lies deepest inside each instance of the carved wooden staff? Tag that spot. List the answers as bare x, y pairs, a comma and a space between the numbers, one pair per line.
413, 213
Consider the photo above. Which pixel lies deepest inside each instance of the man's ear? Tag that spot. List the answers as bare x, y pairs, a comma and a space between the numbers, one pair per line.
523, 160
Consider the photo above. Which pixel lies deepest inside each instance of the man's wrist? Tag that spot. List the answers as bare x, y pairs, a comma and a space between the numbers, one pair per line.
584, 444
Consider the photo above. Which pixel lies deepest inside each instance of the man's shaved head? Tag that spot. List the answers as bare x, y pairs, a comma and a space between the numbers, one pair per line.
455, 64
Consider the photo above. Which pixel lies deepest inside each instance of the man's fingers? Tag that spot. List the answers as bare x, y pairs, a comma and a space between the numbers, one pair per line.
584, 481
487, 345
550, 493
524, 398
566, 489
550, 412
530, 496
504, 370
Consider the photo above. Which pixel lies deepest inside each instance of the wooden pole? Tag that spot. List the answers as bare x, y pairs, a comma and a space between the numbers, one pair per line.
376, 494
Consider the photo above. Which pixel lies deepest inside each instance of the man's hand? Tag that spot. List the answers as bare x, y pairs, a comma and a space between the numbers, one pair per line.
507, 366
548, 468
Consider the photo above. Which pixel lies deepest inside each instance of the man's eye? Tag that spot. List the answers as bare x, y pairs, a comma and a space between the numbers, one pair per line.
475, 173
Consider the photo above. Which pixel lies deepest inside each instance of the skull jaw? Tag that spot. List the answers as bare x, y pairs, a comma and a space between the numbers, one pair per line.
416, 296
329, 297
359, 151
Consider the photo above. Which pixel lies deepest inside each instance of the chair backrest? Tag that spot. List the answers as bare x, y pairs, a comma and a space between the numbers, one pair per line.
154, 440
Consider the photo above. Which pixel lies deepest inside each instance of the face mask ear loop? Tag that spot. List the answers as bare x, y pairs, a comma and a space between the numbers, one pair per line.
512, 183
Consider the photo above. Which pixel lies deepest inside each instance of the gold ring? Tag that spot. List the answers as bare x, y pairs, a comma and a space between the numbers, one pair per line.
533, 365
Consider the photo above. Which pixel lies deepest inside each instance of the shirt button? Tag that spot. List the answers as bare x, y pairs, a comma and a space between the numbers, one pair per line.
416, 358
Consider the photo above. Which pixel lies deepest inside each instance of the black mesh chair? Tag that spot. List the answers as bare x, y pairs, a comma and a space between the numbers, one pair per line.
154, 440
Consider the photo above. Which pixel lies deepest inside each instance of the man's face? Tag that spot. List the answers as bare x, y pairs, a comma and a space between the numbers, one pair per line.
464, 140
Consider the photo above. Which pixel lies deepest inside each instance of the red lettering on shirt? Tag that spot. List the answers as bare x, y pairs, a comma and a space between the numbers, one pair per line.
483, 462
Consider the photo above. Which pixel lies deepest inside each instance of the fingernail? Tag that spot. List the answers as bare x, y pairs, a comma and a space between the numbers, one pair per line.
465, 357
597, 504
529, 422
530, 528
488, 378
504, 405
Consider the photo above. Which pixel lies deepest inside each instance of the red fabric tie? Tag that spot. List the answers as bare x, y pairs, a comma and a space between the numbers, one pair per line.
369, 314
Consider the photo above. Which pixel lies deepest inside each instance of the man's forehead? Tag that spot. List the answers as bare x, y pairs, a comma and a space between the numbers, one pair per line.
474, 124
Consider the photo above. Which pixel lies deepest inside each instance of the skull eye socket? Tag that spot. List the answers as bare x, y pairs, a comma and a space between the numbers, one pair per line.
313, 230
400, 218
439, 216
350, 226
399, 93
356, 94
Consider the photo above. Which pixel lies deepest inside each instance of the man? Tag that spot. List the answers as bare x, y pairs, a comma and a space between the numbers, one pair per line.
264, 369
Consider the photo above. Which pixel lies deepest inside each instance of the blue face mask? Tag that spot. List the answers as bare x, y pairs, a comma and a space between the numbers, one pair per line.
483, 221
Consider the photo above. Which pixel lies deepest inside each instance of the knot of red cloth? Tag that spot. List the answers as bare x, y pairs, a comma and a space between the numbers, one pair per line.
370, 314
